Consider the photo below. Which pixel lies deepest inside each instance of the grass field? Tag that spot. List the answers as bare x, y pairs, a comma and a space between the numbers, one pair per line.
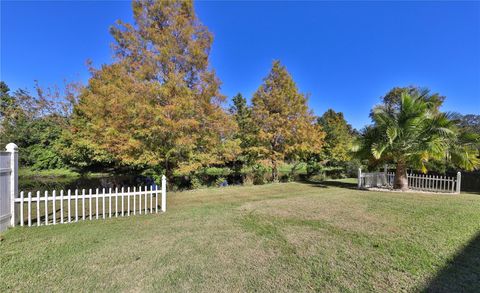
276, 238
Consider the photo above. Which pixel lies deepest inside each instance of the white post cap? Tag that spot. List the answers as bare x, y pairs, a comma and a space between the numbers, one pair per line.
11, 147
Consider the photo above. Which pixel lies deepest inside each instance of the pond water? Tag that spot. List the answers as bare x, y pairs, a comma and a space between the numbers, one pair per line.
83, 182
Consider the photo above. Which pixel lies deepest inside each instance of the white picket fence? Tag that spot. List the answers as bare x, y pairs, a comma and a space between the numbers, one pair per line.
66, 207
50, 208
422, 182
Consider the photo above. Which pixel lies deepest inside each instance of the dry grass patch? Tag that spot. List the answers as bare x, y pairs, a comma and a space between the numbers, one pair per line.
274, 238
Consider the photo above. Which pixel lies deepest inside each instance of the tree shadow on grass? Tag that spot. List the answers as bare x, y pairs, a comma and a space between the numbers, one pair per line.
462, 273
330, 183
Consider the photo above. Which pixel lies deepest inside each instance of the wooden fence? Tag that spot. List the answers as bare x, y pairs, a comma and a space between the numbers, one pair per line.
422, 182
58, 207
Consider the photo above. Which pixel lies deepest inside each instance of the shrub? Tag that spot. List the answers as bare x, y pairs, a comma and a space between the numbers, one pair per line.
221, 181
195, 182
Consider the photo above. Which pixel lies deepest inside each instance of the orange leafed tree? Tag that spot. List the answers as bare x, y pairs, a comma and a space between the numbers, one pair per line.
287, 126
158, 104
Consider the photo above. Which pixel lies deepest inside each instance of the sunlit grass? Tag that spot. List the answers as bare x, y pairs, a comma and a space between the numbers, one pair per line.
278, 237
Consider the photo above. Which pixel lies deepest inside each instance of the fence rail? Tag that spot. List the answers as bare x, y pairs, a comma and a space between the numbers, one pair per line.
422, 182
71, 206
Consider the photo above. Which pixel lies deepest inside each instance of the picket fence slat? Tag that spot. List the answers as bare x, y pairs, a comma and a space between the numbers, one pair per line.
123, 205
29, 209
29, 206
38, 208
46, 207
61, 206
110, 203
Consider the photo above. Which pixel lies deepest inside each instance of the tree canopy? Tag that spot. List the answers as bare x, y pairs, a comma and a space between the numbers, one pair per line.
159, 104
287, 126
339, 137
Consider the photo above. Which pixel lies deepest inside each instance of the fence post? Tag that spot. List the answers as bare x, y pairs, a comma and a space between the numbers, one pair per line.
359, 178
13, 150
459, 181
164, 193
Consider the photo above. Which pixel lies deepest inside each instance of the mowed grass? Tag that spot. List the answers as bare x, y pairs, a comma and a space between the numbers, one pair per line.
288, 237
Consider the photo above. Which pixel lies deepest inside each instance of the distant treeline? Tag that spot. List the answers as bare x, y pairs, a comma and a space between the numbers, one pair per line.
158, 109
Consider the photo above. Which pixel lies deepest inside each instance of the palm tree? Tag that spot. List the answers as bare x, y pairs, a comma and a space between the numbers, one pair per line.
413, 133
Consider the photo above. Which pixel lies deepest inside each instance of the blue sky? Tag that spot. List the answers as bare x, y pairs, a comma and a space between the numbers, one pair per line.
344, 54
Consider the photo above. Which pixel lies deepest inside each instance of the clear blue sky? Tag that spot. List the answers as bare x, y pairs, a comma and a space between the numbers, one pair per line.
344, 54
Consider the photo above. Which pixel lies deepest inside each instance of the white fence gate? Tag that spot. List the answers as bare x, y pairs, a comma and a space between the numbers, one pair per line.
50, 208
422, 182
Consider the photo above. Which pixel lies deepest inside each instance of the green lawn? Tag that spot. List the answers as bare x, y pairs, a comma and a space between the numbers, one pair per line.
278, 237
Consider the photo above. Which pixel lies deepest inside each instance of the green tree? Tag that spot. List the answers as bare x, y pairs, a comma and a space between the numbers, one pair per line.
287, 127
392, 99
6, 100
35, 123
339, 138
412, 133
247, 129
159, 104
469, 122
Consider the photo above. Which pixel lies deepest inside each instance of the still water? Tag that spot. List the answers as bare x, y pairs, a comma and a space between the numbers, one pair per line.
86, 182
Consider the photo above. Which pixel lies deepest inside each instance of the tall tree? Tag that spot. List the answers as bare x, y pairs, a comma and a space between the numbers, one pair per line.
338, 139
247, 129
412, 133
159, 104
286, 125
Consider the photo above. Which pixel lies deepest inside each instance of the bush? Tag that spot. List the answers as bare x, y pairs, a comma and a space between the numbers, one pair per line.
289, 177
195, 182
221, 182
313, 168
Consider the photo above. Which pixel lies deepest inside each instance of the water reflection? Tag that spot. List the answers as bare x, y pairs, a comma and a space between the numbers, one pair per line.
58, 183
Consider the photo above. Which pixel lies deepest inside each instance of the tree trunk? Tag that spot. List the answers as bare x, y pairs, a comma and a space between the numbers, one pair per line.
401, 180
274, 171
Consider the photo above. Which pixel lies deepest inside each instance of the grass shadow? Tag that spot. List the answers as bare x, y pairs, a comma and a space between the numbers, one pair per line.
330, 183
462, 273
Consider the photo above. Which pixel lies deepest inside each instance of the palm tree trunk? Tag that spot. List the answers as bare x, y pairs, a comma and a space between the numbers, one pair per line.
401, 180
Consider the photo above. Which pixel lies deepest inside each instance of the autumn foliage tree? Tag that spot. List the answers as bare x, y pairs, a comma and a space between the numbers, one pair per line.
159, 104
287, 127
